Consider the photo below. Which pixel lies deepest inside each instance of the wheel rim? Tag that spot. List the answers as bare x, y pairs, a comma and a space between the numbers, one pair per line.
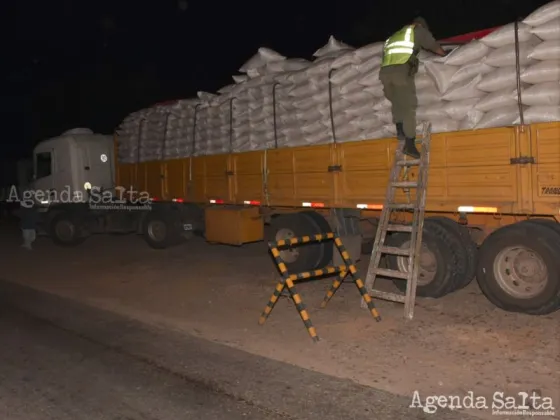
520, 272
427, 268
65, 230
288, 255
157, 230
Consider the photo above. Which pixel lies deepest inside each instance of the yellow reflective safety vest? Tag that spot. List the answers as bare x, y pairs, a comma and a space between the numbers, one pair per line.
399, 47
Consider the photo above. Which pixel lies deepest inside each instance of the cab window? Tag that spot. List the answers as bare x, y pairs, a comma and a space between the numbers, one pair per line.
43, 164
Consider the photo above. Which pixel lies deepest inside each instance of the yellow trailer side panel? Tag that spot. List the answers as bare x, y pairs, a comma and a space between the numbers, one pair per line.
466, 169
176, 177
125, 175
211, 179
154, 179
247, 182
545, 144
301, 175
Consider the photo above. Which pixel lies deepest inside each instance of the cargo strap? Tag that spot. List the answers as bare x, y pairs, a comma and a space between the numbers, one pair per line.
400, 180
287, 280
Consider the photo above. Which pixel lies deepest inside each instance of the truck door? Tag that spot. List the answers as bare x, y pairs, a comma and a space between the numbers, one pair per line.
43, 169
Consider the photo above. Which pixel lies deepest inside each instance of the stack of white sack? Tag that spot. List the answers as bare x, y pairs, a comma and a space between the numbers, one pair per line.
280, 102
542, 93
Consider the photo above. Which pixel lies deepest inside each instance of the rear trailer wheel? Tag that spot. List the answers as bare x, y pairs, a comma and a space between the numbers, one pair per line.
436, 274
518, 269
305, 257
323, 226
162, 229
466, 251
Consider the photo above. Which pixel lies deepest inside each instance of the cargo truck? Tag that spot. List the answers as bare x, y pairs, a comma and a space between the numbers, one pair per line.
493, 202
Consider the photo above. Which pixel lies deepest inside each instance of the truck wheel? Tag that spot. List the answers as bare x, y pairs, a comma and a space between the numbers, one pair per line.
162, 230
299, 258
518, 269
436, 274
324, 227
65, 231
467, 251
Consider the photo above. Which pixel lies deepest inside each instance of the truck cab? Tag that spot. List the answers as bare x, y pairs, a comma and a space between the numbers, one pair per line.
67, 166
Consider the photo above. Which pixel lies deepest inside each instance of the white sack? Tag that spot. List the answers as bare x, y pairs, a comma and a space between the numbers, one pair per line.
546, 13
431, 112
291, 64
333, 45
344, 74
384, 115
548, 31
348, 57
471, 120
500, 117
444, 125
263, 56
442, 74
539, 114
381, 104
424, 81
468, 53
375, 133
239, 78
543, 94
370, 50
506, 35
370, 78
370, 65
464, 90
499, 79
543, 71
458, 110
499, 99
376, 91
469, 71
505, 56
428, 96
547, 50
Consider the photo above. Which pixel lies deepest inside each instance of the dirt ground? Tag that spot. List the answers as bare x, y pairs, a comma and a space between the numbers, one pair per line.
454, 345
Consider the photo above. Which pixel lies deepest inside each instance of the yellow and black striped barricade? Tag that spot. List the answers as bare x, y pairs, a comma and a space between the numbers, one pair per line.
287, 280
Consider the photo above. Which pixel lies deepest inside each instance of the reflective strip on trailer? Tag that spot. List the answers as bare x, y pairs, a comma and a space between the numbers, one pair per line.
252, 203
471, 209
218, 201
314, 205
370, 206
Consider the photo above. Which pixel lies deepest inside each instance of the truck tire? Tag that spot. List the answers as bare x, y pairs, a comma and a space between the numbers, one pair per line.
162, 229
467, 251
518, 269
551, 224
324, 227
299, 258
64, 230
437, 274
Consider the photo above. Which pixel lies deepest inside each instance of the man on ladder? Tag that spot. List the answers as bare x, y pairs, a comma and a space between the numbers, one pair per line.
399, 66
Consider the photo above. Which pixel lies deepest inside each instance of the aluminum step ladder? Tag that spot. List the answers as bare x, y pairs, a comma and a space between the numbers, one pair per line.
400, 180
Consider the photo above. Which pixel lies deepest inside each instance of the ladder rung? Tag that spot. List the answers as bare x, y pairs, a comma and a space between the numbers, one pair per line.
411, 162
399, 228
393, 250
393, 297
404, 184
392, 274
402, 206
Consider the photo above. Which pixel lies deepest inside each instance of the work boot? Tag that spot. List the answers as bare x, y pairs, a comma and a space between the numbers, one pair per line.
400, 131
410, 148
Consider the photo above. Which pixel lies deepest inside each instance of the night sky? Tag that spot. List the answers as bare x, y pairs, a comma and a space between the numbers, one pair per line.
69, 64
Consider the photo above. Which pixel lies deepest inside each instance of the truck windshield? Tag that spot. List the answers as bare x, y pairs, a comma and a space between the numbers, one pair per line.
43, 164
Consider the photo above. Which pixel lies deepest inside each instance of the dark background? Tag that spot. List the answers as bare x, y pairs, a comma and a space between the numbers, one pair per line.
69, 64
